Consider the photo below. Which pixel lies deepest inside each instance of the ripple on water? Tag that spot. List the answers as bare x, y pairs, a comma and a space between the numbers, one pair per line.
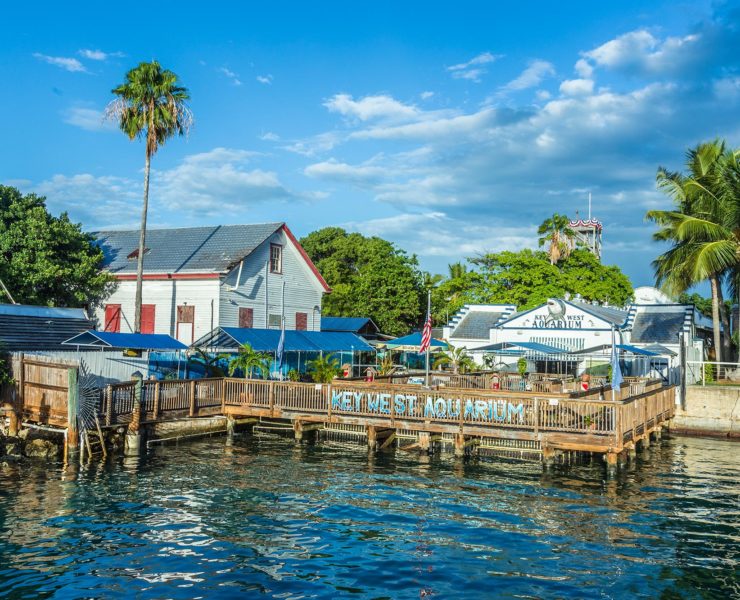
266, 518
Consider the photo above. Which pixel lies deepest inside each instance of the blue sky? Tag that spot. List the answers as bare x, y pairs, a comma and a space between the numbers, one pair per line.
449, 128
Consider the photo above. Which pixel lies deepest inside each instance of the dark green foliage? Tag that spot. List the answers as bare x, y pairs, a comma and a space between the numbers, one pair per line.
369, 277
6, 371
47, 260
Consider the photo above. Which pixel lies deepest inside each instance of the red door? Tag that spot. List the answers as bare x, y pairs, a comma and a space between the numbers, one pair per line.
112, 318
147, 318
246, 317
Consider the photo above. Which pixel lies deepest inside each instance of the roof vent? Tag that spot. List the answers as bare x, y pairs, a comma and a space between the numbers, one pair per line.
579, 297
135, 254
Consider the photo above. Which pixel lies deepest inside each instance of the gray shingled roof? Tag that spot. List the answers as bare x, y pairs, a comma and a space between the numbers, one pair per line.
192, 249
476, 325
657, 327
610, 314
25, 328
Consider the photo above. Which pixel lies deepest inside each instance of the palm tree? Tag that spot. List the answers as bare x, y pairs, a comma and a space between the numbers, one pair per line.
457, 358
209, 362
247, 360
324, 369
556, 232
150, 105
457, 270
704, 229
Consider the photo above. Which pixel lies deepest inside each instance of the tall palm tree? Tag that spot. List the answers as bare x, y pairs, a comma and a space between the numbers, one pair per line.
556, 232
704, 229
150, 104
248, 360
457, 270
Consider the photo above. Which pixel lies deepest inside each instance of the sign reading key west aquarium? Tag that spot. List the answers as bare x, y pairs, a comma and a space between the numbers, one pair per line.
427, 406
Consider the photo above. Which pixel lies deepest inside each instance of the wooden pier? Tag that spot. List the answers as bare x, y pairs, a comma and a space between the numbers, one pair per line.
547, 422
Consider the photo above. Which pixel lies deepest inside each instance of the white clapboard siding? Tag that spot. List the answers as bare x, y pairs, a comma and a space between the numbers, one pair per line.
167, 295
303, 292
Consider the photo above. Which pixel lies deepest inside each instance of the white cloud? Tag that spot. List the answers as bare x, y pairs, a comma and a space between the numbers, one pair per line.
472, 70
371, 107
543, 95
584, 68
426, 95
63, 62
439, 127
532, 76
270, 137
337, 171
89, 119
640, 51
98, 55
231, 75
577, 87
265, 79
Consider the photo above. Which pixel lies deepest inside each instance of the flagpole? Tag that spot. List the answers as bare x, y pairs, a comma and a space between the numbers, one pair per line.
429, 312
614, 351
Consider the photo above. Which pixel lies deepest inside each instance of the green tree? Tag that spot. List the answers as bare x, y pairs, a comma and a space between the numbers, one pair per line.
47, 260
452, 293
150, 105
556, 232
248, 360
324, 368
703, 229
210, 362
457, 359
369, 277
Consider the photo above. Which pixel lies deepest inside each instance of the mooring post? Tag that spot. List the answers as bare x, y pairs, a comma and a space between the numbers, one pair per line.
156, 401
459, 445
612, 459
230, 425
73, 435
17, 409
424, 441
372, 437
133, 434
298, 430
548, 456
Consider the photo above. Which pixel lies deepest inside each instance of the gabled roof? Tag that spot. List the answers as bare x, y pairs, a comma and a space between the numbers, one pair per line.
610, 314
503, 347
191, 249
27, 328
267, 340
133, 341
350, 324
659, 327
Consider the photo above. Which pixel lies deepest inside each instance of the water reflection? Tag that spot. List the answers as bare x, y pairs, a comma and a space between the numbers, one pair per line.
268, 517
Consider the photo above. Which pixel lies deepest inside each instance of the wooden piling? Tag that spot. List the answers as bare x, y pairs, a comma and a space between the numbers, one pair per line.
73, 435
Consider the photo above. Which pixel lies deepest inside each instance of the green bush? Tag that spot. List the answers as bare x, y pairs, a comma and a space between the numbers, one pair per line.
710, 371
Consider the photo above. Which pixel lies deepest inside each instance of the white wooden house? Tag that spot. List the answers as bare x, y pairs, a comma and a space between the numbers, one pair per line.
200, 278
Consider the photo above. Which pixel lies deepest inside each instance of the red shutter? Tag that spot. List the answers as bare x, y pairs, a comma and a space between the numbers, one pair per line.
147, 318
301, 321
112, 318
246, 317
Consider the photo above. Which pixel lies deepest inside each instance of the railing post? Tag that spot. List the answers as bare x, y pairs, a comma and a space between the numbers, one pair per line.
271, 397
223, 395
156, 400
109, 405
72, 410
536, 416
328, 399
192, 397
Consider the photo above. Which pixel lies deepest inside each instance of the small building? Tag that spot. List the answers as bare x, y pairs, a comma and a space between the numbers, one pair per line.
199, 278
26, 328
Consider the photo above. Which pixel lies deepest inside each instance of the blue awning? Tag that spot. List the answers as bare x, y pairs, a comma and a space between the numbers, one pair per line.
412, 342
530, 346
132, 341
636, 350
267, 340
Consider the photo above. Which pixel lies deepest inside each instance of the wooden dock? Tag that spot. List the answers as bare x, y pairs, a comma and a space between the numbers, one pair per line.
548, 422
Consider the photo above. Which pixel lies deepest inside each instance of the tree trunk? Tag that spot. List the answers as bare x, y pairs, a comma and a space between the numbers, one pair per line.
142, 247
714, 283
725, 320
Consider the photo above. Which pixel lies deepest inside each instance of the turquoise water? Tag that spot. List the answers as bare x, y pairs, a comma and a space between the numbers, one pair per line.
265, 518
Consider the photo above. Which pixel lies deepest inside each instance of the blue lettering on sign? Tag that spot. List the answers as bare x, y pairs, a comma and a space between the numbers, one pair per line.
434, 407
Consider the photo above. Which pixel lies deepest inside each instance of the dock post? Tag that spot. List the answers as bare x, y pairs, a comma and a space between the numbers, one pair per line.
612, 460
424, 441
372, 437
298, 430
230, 425
459, 445
73, 436
646, 441
133, 434
549, 455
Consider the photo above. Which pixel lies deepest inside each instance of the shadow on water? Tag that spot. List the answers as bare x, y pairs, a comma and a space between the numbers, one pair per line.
265, 517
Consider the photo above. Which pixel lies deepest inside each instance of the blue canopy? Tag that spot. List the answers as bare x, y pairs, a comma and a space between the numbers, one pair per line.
412, 342
267, 340
349, 324
503, 347
133, 341
636, 350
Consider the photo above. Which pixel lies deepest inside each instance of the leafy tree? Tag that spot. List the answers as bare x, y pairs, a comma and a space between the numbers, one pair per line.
369, 277
324, 368
457, 359
248, 360
451, 294
47, 260
150, 105
556, 232
6, 370
703, 228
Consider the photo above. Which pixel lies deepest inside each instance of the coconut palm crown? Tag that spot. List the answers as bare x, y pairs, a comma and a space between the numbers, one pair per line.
556, 232
150, 104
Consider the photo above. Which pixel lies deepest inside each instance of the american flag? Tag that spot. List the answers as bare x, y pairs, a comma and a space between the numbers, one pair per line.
426, 335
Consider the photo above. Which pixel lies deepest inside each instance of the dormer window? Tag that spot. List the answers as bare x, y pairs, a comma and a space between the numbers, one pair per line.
276, 258
135, 254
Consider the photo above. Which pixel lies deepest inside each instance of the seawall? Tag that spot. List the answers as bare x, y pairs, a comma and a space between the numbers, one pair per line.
710, 410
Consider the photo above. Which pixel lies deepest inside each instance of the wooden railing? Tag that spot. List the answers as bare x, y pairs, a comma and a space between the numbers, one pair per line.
638, 406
